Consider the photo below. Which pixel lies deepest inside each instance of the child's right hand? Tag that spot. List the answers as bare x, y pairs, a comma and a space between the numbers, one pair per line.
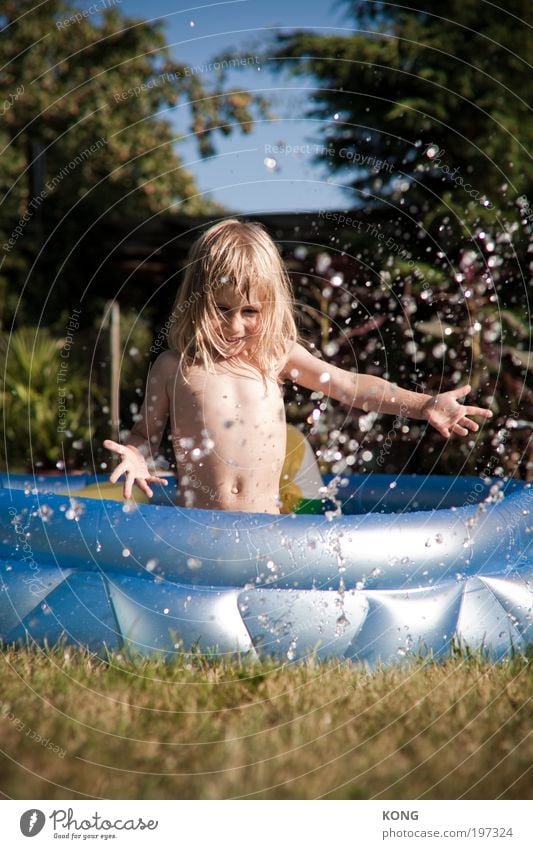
134, 466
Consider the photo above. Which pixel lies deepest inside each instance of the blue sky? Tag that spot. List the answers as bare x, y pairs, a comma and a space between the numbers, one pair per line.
237, 175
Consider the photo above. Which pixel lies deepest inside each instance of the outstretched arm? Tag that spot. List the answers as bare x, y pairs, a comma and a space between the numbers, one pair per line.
145, 436
443, 411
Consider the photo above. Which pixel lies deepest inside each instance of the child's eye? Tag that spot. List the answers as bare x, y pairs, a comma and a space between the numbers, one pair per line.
251, 311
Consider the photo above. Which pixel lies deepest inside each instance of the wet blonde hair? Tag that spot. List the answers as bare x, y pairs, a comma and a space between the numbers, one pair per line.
239, 254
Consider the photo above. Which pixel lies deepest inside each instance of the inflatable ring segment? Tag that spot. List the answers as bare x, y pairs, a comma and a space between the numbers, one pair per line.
411, 566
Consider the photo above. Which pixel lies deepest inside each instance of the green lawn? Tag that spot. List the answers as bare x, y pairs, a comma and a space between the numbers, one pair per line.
206, 729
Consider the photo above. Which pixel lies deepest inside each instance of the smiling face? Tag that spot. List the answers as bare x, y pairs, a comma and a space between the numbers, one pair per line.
238, 319
236, 299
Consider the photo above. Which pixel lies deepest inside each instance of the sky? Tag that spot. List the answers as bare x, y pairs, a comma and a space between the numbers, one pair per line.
237, 175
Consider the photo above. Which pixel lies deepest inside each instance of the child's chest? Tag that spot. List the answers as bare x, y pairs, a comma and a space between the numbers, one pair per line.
230, 398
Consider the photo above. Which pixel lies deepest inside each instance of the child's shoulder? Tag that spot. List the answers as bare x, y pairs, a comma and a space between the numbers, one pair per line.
169, 365
165, 365
167, 359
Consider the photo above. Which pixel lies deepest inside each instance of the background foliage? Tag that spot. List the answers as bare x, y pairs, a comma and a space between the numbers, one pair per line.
412, 82
76, 87
429, 286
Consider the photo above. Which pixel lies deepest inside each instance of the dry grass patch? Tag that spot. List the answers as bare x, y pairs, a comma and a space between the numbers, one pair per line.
207, 728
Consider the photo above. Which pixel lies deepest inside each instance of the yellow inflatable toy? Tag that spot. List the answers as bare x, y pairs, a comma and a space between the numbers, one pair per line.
300, 478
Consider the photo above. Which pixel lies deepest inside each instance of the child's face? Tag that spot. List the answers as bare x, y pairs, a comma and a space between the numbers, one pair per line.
240, 318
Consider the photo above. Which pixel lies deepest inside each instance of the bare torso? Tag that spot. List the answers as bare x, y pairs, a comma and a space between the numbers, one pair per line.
229, 436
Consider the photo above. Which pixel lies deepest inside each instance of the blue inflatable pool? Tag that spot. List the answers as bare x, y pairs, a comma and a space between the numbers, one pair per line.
411, 566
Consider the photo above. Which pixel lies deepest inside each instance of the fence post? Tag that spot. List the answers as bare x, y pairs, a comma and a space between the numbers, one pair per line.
112, 319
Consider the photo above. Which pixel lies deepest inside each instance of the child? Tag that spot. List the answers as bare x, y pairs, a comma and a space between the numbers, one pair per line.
232, 342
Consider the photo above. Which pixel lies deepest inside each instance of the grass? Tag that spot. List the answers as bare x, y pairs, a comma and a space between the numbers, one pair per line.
200, 728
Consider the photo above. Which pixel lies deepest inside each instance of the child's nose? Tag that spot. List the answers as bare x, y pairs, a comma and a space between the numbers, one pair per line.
236, 323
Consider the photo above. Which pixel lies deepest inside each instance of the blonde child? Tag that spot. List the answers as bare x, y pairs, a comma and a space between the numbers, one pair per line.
232, 342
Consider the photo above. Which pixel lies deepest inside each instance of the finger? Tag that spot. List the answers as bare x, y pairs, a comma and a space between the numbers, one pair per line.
461, 391
479, 411
144, 487
155, 479
116, 473
113, 446
460, 431
128, 485
470, 425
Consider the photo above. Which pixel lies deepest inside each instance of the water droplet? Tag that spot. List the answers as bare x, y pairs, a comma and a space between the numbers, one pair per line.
291, 653
439, 350
342, 620
45, 512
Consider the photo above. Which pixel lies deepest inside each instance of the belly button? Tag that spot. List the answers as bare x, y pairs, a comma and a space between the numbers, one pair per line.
235, 489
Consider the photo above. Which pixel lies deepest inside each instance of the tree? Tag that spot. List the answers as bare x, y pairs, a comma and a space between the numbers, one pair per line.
423, 112
85, 137
425, 116
430, 103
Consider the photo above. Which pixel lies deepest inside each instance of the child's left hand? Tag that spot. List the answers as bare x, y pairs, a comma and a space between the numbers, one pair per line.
447, 415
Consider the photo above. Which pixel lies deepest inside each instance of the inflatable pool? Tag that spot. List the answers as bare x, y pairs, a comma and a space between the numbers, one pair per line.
412, 566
